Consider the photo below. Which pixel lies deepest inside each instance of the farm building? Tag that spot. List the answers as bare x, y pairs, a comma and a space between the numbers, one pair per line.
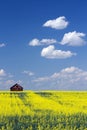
16, 87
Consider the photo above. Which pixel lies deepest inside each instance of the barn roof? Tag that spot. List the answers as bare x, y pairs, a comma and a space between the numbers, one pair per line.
16, 85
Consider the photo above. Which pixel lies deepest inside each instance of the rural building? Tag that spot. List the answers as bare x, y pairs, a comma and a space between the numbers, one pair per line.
16, 87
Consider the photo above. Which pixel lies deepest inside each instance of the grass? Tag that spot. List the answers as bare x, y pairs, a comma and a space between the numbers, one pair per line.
43, 110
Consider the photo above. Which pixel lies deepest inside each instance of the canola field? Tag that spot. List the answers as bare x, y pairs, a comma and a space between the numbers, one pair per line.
43, 110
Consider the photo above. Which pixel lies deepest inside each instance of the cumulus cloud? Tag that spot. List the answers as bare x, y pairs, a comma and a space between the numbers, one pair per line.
70, 78
64, 73
70, 70
37, 42
34, 42
51, 53
58, 23
29, 73
73, 39
2, 45
2, 72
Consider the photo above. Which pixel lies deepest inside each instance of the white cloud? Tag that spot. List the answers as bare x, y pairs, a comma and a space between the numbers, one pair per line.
70, 70
29, 73
51, 53
34, 42
9, 82
70, 78
37, 42
2, 45
73, 39
48, 41
64, 73
6, 80
58, 23
2, 72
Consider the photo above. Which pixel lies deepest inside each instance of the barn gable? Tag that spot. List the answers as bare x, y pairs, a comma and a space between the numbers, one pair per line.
16, 87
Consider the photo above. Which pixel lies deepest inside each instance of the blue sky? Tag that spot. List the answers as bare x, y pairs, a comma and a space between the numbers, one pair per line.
43, 44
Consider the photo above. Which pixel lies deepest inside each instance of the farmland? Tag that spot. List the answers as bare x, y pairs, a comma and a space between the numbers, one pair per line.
43, 110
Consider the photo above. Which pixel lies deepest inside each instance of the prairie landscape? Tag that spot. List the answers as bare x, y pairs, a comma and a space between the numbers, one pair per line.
43, 110
43, 47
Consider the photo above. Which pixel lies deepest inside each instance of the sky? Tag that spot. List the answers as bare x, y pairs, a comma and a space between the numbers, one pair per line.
43, 44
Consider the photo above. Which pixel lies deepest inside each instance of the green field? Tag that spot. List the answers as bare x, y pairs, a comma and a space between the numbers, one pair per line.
43, 110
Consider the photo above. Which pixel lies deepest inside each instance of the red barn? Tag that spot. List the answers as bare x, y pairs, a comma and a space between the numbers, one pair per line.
16, 87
